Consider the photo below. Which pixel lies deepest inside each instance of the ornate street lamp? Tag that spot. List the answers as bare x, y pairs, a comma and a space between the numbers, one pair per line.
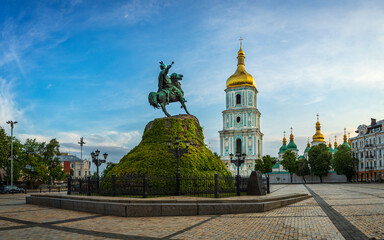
12, 123
97, 161
240, 158
178, 153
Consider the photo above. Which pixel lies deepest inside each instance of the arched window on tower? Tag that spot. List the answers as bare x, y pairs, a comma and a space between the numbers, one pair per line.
238, 99
238, 146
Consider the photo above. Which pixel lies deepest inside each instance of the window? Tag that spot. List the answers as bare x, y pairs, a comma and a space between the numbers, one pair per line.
362, 165
238, 119
72, 165
85, 173
374, 141
238, 99
238, 146
79, 173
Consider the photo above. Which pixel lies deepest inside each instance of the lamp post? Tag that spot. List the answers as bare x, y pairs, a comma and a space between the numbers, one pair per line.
240, 158
178, 153
12, 123
97, 161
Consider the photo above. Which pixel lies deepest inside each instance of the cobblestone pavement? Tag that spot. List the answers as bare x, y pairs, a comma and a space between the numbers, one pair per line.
336, 211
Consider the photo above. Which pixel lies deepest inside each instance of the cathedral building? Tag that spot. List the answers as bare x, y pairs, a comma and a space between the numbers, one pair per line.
317, 139
241, 120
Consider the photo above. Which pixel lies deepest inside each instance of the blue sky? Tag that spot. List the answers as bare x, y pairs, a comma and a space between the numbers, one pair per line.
71, 69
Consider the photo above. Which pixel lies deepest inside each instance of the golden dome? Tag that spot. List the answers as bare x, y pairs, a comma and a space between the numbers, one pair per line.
240, 77
318, 137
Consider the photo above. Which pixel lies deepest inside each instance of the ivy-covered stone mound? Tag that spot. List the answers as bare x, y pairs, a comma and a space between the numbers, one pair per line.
151, 155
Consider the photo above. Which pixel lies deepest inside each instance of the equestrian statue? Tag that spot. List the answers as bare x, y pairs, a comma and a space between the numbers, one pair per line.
169, 90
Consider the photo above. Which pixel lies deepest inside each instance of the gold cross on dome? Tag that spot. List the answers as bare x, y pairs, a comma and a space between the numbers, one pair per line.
241, 42
291, 130
284, 133
317, 117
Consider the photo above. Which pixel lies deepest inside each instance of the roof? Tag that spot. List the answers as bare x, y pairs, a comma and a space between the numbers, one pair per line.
277, 165
69, 158
291, 146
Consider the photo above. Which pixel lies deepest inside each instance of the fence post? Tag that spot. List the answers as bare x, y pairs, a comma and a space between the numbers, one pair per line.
59, 189
238, 185
40, 189
69, 185
113, 184
145, 186
178, 191
49, 188
216, 185
268, 189
89, 186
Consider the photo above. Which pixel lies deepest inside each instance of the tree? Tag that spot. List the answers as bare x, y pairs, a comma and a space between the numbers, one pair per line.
302, 168
108, 168
289, 162
5, 147
265, 165
18, 160
34, 168
320, 160
51, 153
344, 163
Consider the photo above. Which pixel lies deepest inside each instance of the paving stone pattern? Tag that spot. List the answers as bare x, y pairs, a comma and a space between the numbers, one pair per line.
337, 211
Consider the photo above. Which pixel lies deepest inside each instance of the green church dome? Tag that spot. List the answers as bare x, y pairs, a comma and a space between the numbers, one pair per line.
346, 144
301, 157
283, 148
291, 146
307, 149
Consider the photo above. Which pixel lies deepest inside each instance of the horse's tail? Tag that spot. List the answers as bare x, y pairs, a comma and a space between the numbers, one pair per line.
152, 98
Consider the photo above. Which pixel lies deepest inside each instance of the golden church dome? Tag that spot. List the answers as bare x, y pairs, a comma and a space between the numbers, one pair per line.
318, 137
240, 77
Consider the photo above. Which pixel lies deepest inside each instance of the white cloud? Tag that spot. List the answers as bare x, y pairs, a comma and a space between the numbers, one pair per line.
8, 107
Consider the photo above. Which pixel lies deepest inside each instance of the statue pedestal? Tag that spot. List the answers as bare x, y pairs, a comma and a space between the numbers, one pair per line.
151, 156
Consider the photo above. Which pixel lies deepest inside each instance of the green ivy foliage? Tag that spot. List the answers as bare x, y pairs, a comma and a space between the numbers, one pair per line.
151, 155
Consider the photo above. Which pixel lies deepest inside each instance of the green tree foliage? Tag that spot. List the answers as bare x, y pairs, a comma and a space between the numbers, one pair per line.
108, 168
35, 169
17, 161
265, 165
320, 160
344, 163
302, 168
5, 147
289, 162
50, 154
34, 161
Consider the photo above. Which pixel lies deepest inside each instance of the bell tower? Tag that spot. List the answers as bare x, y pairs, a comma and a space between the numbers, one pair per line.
241, 119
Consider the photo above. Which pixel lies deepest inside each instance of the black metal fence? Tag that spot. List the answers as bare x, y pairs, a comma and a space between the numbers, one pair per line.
143, 186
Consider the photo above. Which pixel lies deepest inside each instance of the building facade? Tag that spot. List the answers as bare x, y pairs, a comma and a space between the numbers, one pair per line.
317, 138
368, 147
241, 120
80, 167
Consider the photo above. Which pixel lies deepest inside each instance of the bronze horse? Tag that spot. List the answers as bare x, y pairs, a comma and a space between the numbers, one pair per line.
176, 94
